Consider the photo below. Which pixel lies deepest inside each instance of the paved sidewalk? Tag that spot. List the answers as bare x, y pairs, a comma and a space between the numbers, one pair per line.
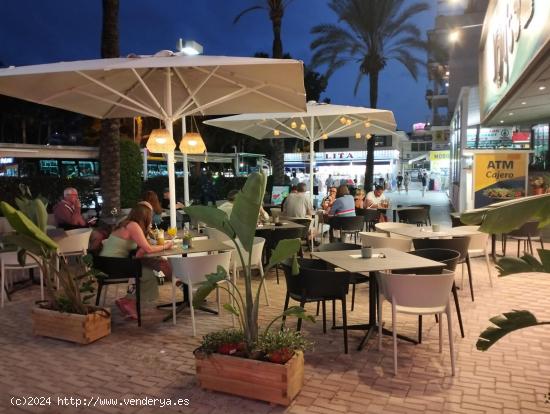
157, 360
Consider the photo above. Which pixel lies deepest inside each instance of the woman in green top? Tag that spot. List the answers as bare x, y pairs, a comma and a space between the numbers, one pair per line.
127, 236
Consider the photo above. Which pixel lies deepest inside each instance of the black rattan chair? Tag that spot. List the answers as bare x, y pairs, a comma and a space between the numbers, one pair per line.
346, 225
426, 207
118, 270
275, 236
313, 284
418, 216
370, 215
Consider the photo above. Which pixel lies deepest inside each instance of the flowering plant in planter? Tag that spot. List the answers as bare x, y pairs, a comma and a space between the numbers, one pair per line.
240, 227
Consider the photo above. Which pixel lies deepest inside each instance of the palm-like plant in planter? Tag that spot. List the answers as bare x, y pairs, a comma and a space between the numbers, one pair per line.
70, 299
240, 227
501, 218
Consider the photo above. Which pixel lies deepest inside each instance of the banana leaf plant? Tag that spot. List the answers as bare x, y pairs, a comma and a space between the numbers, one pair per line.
500, 218
240, 227
74, 290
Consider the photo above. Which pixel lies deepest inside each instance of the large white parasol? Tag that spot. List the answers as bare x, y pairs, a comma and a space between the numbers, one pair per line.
166, 86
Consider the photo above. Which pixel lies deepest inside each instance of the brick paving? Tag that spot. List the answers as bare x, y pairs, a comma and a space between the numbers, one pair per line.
157, 360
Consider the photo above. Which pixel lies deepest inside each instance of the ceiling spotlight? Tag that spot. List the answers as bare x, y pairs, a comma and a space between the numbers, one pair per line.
276, 132
357, 135
454, 36
541, 88
501, 121
447, 73
302, 126
293, 125
510, 113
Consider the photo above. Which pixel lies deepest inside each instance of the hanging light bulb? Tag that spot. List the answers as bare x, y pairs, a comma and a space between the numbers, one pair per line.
368, 136
160, 142
348, 122
276, 132
367, 124
343, 120
192, 143
293, 125
302, 126
324, 136
357, 135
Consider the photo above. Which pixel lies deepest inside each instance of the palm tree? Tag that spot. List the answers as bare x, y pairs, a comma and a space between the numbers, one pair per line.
276, 9
109, 151
378, 31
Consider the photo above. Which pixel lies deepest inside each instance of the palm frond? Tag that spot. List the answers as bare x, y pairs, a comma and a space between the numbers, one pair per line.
241, 14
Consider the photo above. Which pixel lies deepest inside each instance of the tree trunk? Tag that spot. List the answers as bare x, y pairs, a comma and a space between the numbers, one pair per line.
369, 167
109, 148
24, 130
278, 155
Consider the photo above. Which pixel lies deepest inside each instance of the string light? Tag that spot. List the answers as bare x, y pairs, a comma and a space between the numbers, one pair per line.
324, 136
293, 125
303, 126
367, 124
357, 135
368, 136
348, 122
276, 132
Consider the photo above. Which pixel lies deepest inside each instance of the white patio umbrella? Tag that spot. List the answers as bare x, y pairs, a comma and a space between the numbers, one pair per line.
320, 121
166, 86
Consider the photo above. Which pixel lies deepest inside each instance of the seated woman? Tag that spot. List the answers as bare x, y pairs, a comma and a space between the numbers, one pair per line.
152, 198
127, 236
359, 198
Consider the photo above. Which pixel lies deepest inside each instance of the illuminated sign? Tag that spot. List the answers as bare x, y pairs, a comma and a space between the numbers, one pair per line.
6, 160
514, 33
419, 126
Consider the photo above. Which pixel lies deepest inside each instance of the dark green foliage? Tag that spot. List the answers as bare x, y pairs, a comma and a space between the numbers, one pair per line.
131, 169
50, 188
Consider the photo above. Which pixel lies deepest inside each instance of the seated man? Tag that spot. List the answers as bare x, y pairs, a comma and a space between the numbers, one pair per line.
166, 200
298, 204
228, 205
67, 211
377, 200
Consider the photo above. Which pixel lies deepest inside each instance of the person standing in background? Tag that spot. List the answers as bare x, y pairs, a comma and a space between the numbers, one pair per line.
399, 182
406, 182
424, 183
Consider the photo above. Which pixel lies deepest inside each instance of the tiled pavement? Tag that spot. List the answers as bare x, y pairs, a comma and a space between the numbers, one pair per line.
157, 361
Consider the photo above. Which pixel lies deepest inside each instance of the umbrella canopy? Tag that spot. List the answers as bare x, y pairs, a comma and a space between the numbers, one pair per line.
320, 121
167, 86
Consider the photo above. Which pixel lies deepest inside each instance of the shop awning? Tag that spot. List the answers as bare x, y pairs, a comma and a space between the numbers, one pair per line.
419, 158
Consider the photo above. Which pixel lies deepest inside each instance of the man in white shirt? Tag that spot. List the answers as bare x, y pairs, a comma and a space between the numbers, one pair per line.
376, 198
294, 180
298, 204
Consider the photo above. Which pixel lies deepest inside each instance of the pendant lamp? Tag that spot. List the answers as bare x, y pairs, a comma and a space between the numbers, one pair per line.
192, 143
160, 142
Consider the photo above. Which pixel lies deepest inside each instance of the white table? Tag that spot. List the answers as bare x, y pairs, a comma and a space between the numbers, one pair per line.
352, 261
415, 232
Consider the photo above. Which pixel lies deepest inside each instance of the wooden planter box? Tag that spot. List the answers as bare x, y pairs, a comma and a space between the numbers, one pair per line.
82, 329
260, 380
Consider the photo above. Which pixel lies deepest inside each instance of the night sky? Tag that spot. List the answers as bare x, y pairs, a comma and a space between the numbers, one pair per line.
34, 31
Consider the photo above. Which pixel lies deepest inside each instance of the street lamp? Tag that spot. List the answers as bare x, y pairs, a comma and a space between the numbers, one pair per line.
454, 34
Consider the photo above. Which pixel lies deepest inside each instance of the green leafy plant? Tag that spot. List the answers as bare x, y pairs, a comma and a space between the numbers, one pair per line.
74, 291
501, 218
240, 227
279, 346
131, 168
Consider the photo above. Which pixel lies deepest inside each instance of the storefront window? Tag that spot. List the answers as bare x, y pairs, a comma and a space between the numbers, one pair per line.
540, 158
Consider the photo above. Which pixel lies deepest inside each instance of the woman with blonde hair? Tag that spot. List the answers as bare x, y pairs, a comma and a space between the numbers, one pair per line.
129, 235
360, 198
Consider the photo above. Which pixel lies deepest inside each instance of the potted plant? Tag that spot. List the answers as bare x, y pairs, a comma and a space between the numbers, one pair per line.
66, 313
537, 185
238, 361
502, 218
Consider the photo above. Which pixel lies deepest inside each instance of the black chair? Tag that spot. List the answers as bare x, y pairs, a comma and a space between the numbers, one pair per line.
354, 278
450, 259
306, 222
275, 236
459, 244
346, 225
426, 207
316, 285
526, 234
118, 270
370, 215
418, 216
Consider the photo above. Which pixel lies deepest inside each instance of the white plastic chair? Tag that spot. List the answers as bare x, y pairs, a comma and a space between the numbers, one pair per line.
416, 295
192, 271
381, 240
75, 243
8, 261
478, 247
255, 260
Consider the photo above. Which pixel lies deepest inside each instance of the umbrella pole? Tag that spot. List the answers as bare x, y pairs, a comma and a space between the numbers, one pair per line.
171, 177
185, 166
311, 159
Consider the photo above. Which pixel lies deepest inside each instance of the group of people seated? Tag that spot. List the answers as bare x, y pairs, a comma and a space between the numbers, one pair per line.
339, 201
